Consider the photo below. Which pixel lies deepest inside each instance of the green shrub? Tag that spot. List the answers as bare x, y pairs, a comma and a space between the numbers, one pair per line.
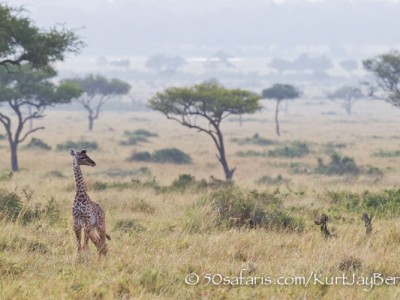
239, 208
36, 143
295, 149
171, 155
183, 182
141, 132
383, 153
140, 156
136, 137
10, 205
50, 212
77, 145
338, 166
384, 203
2, 137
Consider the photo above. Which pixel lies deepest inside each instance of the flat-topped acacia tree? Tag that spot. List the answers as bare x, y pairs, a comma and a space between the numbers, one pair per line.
97, 90
28, 92
280, 92
210, 102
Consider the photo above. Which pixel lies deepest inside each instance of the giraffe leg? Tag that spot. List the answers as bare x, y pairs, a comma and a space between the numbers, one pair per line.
77, 230
102, 249
86, 237
94, 237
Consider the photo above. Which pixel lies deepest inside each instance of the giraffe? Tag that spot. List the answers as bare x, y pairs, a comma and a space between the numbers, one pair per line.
86, 213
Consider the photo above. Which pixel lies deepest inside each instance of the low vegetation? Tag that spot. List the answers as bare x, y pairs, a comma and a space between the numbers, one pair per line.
254, 140
339, 165
37, 144
89, 146
136, 137
169, 155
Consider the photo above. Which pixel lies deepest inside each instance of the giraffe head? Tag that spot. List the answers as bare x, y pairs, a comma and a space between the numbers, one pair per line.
82, 158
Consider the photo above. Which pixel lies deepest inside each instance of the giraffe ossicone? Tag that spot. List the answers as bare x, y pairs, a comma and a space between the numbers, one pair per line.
87, 215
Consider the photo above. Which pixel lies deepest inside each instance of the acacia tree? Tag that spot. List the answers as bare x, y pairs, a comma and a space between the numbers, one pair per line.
28, 92
97, 90
22, 42
280, 92
386, 69
210, 102
347, 96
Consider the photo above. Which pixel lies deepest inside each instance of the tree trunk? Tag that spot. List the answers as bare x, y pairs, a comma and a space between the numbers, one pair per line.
228, 172
222, 157
14, 157
241, 120
276, 117
91, 121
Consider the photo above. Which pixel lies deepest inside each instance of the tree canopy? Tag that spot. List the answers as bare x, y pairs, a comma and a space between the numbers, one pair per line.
280, 92
386, 69
97, 90
28, 92
21, 41
347, 96
208, 101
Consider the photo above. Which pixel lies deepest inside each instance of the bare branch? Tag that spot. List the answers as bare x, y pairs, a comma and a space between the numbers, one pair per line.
29, 132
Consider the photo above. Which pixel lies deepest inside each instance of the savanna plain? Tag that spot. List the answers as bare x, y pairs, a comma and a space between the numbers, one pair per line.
178, 231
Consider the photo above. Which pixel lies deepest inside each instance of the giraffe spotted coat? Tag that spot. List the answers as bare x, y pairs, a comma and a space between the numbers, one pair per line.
87, 215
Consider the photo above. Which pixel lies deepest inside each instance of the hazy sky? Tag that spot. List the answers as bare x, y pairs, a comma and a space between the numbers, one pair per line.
239, 27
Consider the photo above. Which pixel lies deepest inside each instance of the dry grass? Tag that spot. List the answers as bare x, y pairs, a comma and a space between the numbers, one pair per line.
160, 238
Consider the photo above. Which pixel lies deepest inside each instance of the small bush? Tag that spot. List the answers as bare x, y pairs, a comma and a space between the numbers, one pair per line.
140, 156
183, 182
10, 205
382, 153
37, 144
2, 137
77, 145
50, 212
338, 166
136, 137
6, 175
295, 149
171, 155
238, 208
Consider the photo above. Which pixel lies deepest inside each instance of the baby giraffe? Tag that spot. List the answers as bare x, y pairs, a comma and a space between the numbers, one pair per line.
86, 213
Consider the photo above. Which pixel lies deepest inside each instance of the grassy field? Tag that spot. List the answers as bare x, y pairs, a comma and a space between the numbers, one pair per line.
169, 234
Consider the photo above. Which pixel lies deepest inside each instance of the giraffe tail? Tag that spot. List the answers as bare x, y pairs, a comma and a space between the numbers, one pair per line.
108, 237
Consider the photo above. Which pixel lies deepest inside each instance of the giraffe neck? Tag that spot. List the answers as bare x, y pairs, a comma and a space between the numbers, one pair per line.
79, 183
